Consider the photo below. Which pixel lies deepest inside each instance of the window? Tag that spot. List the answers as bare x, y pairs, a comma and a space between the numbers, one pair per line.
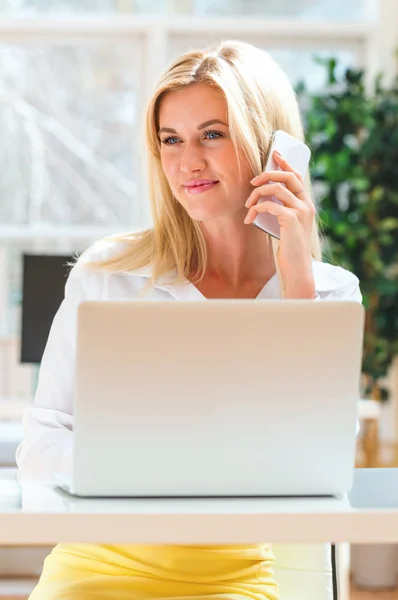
72, 92
296, 57
290, 9
68, 153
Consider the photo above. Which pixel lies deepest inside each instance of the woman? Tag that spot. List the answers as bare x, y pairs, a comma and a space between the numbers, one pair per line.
209, 126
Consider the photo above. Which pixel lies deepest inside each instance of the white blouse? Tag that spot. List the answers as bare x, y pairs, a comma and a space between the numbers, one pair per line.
48, 424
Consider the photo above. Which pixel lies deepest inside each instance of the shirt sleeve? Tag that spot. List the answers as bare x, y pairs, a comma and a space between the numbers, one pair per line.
336, 283
48, 439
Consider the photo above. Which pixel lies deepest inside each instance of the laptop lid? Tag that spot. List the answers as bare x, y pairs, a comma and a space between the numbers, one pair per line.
225, 397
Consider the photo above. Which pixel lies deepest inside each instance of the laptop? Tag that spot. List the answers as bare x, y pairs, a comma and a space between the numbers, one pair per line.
216, 398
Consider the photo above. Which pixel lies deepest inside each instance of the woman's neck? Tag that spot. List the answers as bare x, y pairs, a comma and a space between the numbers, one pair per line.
237, 257
239, 263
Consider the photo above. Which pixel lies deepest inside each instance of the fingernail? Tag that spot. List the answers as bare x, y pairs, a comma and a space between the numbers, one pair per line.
277, 153
255, 179
247, 219
247, 202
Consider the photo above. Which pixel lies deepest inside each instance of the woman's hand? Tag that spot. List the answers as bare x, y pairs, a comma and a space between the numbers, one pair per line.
295, 218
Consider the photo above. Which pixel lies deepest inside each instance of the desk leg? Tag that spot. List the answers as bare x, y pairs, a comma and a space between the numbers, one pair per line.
343, 569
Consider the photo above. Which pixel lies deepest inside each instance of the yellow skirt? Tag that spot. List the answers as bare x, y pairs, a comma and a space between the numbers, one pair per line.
92, 572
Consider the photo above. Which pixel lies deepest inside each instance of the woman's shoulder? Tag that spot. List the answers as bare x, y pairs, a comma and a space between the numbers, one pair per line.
103, 250
331, 279
90, 273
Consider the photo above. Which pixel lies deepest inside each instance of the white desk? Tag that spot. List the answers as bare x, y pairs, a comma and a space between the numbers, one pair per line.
36, 513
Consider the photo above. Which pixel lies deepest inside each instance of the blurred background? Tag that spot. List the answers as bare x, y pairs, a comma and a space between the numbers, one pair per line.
74, 79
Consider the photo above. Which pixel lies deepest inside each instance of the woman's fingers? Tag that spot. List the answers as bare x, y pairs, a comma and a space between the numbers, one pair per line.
290, 207
287, 185
274, 189
288, 178
287, 175
285, 166
282, 212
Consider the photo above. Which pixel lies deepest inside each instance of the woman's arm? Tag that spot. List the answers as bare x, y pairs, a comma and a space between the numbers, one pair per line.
336, 283
48, 424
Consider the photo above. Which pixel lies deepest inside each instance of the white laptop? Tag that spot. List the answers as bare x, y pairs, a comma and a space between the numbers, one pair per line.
216, 398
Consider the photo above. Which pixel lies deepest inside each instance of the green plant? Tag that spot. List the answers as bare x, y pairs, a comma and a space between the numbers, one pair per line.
353, 135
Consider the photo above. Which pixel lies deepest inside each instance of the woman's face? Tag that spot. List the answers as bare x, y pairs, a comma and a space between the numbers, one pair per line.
198, 156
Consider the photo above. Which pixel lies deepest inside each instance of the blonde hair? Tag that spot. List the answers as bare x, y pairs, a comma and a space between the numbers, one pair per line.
260, 100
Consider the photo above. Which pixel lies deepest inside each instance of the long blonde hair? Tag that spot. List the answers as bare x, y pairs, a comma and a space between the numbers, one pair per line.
260, 100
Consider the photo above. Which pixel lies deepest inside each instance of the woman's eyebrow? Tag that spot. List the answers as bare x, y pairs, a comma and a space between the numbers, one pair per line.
212, 122
201, 126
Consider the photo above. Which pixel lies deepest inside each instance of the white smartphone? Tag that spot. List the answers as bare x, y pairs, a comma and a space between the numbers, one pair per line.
298, 155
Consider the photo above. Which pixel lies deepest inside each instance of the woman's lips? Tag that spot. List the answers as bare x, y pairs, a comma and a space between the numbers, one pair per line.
199, 188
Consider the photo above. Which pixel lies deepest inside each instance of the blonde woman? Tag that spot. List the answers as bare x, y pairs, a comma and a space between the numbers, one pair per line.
208, 131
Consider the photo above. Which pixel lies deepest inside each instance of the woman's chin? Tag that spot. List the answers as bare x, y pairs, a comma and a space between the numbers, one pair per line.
212, 213
207, 211
205, 215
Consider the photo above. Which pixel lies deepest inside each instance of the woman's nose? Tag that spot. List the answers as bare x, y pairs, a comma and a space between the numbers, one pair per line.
192, 160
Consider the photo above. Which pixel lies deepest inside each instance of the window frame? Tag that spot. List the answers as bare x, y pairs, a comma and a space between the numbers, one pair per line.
367, 37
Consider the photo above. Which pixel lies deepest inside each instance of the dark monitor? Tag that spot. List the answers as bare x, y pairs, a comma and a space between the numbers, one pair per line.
44, 279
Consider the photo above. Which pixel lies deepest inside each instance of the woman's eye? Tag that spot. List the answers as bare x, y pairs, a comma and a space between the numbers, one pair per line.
170, 141
209, 135
213, 135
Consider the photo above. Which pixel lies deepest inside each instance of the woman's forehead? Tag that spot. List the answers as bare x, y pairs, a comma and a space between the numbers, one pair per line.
197, 102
